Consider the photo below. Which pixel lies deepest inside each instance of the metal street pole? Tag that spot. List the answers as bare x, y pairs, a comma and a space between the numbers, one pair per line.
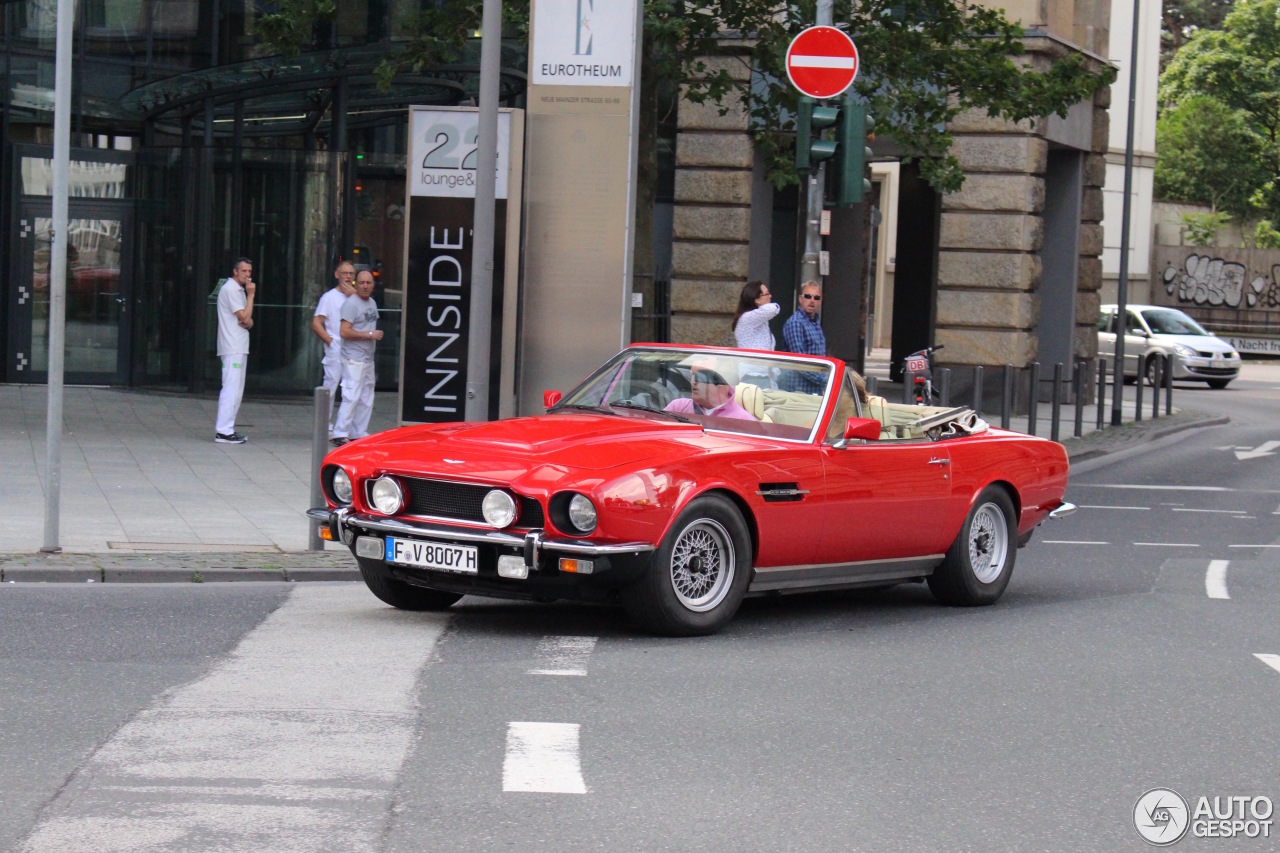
58, 274
817, 190
479, 326
1122, 286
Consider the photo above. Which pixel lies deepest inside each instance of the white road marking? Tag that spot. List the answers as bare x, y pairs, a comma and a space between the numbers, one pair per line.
1087, 506
1258, 452
543, 757
1168, 544
1272, 661
804, 60
294, 741
1223, 511
1253, 546
1215, 579
1072, 542
1155, 488
563, 655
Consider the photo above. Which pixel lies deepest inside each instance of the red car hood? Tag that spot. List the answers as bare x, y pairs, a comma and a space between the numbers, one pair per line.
506, 449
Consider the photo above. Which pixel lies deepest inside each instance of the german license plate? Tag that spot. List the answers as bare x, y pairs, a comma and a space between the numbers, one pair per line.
433, 555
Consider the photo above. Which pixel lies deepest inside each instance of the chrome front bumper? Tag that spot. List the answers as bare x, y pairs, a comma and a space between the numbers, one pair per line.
341, 522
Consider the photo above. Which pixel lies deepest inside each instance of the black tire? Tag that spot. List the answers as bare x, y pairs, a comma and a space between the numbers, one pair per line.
1218, 384
979, 563
1149, 371
681, 594
400, 594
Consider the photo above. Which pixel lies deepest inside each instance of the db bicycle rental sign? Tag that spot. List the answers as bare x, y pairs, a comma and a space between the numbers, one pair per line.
822, 62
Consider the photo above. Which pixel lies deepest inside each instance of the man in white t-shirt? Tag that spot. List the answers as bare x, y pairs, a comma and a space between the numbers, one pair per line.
360, 333
326, 324
235, 319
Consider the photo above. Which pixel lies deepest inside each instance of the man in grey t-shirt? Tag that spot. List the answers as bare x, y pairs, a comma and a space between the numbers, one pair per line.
359, 333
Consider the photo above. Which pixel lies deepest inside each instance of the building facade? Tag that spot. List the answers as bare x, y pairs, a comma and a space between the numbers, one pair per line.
192, 147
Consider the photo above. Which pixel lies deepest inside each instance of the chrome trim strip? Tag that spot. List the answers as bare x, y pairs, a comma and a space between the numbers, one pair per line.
1063, 511
781, 493
492, 537
862, 564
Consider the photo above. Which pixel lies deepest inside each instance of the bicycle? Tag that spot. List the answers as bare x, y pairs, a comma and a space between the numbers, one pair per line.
918, 367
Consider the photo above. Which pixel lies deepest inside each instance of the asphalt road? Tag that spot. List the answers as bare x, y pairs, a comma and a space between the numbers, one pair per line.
1136, 648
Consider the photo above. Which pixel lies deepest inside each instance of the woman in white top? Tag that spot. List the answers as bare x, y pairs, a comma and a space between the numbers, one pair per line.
751, 326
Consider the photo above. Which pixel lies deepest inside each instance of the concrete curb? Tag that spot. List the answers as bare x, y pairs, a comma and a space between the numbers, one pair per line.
313, 566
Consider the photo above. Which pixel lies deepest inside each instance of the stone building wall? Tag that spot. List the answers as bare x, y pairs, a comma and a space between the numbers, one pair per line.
712, 223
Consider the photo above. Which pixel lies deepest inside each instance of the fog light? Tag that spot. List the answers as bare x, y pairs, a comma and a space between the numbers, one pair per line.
369, 546
512, 567
577, 567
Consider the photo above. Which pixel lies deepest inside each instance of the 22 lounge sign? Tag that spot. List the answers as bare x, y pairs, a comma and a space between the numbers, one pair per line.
583, 43
442, 170
445, 153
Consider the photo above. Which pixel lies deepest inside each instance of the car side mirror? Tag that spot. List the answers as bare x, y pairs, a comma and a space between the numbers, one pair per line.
864, 428
550, 398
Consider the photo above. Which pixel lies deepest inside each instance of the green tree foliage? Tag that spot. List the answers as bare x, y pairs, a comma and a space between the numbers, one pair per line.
1201, 229
923, 63
1238, 66
1180, 18
1208, 154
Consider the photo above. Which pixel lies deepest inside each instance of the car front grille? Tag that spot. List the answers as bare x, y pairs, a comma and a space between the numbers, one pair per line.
462, 501
1212, 371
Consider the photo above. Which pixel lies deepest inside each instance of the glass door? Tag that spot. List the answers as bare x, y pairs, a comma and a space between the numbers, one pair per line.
97, 320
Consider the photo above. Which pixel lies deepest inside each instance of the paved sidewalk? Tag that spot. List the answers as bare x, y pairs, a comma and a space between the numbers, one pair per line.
147, 495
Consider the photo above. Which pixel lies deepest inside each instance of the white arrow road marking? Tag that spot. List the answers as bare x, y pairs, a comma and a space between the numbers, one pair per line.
293, 742
543, 757
1215, 579
563, 655
1258, 452
1272, 661
810, 61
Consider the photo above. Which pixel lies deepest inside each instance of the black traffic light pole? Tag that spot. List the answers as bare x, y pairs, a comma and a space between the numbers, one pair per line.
817, 188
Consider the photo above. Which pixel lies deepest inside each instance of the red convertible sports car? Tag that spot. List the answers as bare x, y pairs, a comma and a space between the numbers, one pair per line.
677, 480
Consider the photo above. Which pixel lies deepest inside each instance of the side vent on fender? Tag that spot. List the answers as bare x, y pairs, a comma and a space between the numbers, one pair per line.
781, 492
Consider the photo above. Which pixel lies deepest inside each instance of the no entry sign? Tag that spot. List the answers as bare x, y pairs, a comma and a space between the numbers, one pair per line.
822, 62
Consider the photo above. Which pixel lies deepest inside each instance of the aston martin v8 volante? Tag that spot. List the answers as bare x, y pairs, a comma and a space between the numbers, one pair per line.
676, 480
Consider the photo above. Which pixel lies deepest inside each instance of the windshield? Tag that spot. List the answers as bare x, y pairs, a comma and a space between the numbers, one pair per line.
758, 395
1171, 321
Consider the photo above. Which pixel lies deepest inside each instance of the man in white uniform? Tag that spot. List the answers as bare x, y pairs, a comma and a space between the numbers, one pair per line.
360, 333
327, 324
235, 319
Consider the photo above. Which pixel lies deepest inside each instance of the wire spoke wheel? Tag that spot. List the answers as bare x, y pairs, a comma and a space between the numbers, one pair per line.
988, 543
702, 565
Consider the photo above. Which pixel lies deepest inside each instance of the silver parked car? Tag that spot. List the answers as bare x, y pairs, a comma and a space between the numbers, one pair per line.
1152, 330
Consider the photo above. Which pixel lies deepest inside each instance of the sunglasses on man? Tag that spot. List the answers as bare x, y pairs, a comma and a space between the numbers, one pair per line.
817, 297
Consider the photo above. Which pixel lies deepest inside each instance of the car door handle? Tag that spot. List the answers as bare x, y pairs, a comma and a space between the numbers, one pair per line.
939, 461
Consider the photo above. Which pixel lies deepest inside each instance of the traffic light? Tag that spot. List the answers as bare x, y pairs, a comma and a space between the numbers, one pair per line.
811, 118
855, 128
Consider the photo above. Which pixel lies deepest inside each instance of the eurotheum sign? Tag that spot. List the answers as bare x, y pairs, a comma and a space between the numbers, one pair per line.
583, 43
436, 300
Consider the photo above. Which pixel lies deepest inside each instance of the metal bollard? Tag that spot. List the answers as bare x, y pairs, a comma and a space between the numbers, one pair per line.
1033, 401
1155, 387
1056, 399
977, 390
1077, 388
908, 385
319, 447
871, 385
1102, 391
1168, 387
1006, 396
1137, 402
944, 386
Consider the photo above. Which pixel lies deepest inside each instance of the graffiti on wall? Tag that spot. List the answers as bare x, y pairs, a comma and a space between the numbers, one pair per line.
1217, 282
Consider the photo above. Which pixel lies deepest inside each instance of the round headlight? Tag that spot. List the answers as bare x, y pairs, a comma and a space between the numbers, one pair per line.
499, 508
582, 513
342, 486
387, 496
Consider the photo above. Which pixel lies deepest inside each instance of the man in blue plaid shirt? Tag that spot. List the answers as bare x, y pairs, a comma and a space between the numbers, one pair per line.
803, 334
